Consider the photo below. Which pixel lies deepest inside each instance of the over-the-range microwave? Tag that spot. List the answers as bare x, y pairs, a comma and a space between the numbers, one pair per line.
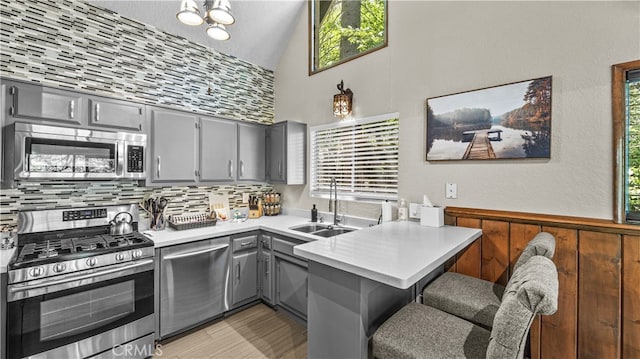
42, 152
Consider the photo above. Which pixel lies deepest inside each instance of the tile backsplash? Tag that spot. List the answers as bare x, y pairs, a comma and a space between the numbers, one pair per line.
80, 46
50, 195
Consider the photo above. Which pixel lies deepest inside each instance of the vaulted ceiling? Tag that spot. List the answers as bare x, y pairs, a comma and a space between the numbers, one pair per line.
259, 36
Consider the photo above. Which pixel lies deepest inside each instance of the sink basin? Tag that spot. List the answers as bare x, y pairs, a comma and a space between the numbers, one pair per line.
322, 230
330, 232
308, 228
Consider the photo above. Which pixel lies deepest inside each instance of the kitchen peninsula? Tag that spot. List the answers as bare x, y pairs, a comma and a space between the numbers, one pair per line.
359, 279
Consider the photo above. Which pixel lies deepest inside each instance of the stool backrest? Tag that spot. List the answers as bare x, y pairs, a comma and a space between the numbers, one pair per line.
543, 244
532, 290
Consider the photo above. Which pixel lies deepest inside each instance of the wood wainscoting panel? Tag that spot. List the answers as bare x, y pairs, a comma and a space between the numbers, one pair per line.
495, 251
631, 297
559, 332
469, 260
599, 295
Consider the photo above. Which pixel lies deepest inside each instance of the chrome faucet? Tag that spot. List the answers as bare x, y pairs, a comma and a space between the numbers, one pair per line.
333, 188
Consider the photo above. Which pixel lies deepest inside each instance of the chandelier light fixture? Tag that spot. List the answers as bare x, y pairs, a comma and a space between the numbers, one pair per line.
217, 15
342, 102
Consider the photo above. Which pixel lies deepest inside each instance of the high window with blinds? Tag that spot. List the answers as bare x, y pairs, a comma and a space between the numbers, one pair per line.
362, 156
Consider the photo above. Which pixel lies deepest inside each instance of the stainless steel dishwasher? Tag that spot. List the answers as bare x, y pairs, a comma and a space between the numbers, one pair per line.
194, 284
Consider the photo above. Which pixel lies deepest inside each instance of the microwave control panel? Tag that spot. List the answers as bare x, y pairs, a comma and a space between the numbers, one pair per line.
135, 159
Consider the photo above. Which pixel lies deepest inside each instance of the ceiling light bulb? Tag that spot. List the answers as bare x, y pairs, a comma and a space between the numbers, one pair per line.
220, 12
189, 13
218, 32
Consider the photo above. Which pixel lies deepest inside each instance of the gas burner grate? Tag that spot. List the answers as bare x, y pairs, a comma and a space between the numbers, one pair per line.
89, 244
46, 249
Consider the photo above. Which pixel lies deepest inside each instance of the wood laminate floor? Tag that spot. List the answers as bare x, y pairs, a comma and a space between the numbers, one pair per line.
256, 332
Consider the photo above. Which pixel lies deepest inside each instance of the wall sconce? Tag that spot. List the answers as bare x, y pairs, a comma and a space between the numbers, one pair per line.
342, 102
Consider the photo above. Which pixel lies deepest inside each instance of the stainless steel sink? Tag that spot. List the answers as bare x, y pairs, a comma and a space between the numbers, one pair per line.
308, 228
330, 232
322, 230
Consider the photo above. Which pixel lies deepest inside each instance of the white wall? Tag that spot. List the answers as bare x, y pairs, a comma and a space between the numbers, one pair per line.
439, 48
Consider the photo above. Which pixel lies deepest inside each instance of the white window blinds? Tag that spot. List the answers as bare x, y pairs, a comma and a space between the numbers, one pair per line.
362, 155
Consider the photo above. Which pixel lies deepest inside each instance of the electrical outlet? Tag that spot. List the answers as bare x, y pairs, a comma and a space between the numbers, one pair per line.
245, 198
451, 191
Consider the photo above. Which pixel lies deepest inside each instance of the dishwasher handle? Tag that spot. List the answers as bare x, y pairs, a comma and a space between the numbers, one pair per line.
195, 253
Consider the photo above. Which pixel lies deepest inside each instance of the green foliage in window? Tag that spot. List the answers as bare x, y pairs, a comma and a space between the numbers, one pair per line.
347, 28
633, 146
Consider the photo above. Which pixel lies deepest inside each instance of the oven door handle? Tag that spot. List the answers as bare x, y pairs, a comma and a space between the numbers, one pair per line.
195, 253
15, 289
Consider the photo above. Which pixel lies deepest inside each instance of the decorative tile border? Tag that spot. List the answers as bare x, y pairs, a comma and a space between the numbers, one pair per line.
49, 195
81, 46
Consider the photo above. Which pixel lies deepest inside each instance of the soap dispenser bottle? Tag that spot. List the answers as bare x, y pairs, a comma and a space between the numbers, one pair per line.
314, 214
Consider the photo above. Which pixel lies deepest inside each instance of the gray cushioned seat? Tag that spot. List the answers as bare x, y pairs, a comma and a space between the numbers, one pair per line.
475, 299
419, 331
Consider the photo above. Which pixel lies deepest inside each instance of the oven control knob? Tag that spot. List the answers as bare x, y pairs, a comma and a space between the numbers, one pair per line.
119, 256
36, 271
59, 267
136, 254
91, 262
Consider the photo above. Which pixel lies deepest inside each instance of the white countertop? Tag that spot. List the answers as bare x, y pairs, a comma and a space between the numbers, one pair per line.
395, 253
5, 257
277, 224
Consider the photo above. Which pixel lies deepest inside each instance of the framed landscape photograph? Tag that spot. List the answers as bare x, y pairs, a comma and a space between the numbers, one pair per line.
511, 121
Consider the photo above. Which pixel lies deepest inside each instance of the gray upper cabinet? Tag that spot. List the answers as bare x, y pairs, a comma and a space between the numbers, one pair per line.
218, 150
287, 144
33, 102
107, 112
173, 155
251, 152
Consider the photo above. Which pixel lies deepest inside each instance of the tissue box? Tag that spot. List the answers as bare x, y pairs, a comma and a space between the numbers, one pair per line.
432, 216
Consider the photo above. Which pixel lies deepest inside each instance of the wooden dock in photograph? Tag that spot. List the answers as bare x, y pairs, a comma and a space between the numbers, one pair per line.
480, 147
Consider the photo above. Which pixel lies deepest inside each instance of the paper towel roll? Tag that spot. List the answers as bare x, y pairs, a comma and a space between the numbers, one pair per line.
386, 211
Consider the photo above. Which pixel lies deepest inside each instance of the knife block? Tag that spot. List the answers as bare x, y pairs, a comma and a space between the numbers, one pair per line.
255, 212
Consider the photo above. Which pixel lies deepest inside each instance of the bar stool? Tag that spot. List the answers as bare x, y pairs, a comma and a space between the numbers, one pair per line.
475, 299
420, 331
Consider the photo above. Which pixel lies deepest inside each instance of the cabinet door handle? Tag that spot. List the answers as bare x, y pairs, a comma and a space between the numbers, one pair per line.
266, 265
72, 105
230, 168
97, 112
158, 167
241, 168
238, 276
280, 169
246, 244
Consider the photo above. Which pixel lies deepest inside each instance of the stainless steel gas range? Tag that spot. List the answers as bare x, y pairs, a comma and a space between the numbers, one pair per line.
77, 291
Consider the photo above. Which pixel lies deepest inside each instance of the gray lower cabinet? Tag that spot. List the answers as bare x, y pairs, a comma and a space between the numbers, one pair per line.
106, 112
252, 152
173, 154
265, 269
244, 269
218, 150
292, 286
34, 102
193, 284
291, 276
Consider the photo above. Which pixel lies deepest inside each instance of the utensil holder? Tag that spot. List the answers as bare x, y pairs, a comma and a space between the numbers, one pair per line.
157, 222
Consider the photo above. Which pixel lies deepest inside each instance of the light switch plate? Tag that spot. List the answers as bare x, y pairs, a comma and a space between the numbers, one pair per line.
451, 191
